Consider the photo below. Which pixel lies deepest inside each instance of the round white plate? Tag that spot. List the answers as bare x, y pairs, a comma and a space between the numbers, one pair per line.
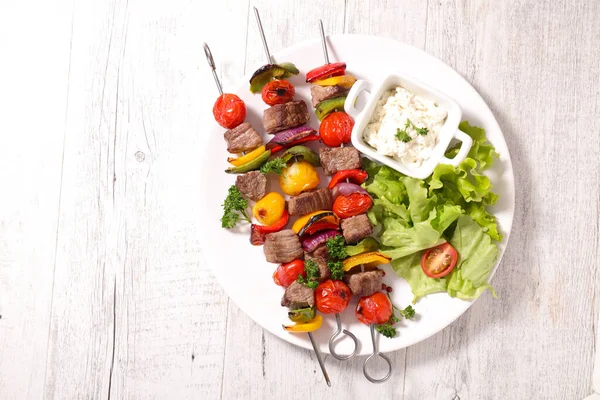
242, 269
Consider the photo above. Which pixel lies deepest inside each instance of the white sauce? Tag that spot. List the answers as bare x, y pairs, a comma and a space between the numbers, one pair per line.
392, 112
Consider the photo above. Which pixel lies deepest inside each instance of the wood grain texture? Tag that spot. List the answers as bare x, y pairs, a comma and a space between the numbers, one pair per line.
104, 291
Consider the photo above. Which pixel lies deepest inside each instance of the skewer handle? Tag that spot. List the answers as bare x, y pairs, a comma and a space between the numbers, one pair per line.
319, 358
376, 352
336, 334
211, 64
323, 42
262, 36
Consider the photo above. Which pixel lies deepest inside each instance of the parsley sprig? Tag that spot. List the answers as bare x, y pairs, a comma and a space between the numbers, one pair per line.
336, 268
234, 208
275, 165
336, 248
402, 134
388, 329
312, 275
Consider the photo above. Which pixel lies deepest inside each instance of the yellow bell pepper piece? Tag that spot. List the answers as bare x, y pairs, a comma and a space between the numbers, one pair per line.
303, 220
309, 326
298, 177
345, 81
370, 259
246, 157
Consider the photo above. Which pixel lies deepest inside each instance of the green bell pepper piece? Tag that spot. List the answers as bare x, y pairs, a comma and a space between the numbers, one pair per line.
250, 165
328, 106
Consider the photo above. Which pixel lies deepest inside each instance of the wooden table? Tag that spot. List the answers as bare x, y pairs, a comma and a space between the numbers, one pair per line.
104, 290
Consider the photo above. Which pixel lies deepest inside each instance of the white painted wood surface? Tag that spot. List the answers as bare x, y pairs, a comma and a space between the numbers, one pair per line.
104, 291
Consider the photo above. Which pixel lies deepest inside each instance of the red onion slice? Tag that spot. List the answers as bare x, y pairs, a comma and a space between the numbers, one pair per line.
346, 189
288, 136
312, 242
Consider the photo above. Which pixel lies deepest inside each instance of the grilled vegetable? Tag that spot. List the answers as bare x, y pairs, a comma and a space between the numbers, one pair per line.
278, 92
298, 177
369, 260
268, 72
269, 209
250, 165
229, 110
336, 128
246, 158
309, 326
258, 232
302, 315
345, 81
366, 245
328, 106
326, 71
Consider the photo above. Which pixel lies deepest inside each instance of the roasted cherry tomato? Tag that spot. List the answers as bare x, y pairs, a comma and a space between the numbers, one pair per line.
356, 176
298, 177
229, 110
269, 209
439, 261
332, 297
325, 71
278, 91
374, 309
354, 204
287, 273
336, 129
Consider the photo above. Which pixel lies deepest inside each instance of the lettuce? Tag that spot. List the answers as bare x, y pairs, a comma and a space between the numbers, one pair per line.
450, 205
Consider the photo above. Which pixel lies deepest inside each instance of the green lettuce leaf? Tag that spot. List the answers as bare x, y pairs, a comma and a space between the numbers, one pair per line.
409, 268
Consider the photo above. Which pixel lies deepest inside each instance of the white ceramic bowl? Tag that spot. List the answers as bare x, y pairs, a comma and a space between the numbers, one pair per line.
448, 132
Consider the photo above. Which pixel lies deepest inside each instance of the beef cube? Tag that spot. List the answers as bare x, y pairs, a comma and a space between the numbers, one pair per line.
364, 283
356, 228
334, 159
320, 93
298, 296
321, 251
319, 199
321, 262
252, 184
242, 138
282, 247
285, 116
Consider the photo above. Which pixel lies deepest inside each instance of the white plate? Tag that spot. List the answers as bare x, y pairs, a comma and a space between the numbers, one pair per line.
241, 268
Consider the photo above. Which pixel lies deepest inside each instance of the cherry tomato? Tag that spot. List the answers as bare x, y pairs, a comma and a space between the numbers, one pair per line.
325, 71
332, 297
374, 309
336, 129
354, 204
278, 91
439, 261
229, 110
287, 273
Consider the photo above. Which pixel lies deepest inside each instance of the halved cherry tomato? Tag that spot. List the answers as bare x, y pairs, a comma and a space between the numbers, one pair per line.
287, 273
332, 297
356, 176
336, 129
439, 261
354, 204
229, 110
325, 71
305, 139
374, 309
278, 91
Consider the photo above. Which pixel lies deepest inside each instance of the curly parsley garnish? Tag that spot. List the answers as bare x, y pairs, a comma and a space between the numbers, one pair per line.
312, 275
275, 165
388, 329
234, 208
402, 135
336, 268
336, 248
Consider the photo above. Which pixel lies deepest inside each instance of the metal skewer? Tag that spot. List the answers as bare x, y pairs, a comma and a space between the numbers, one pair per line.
376, 352
211, 64
338, 319
262, 36
319, 358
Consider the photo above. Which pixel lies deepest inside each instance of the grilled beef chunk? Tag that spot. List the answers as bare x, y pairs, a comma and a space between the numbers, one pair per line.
334, 159
321, 262
304, 203
242, 138
364, 283
282, 247
320, 93
356, 228
252, 184
321, 251
298, 296
285, 116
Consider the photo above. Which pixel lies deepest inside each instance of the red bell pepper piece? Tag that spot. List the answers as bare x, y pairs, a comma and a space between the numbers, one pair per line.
305, 139
326, 71
320, 226
356, 176
258, 232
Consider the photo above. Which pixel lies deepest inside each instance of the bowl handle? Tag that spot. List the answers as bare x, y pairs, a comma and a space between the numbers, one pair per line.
358, 87
465, 146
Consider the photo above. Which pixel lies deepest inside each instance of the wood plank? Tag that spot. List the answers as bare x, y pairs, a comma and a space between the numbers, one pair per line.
136, 312
33, 101
536, 339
